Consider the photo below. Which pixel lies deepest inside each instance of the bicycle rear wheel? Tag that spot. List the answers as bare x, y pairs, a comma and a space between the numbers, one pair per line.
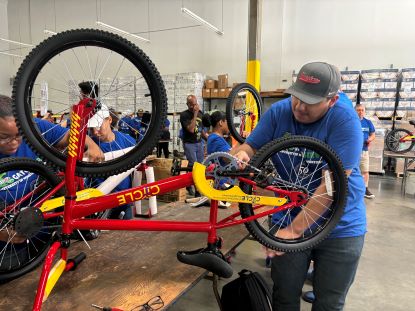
127, 80
20, 177
309, 167
243, 111
394, 141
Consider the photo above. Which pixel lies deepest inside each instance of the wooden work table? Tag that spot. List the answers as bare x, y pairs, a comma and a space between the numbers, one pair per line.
125, 269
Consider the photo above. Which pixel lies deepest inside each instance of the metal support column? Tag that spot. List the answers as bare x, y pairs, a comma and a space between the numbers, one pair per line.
254, 43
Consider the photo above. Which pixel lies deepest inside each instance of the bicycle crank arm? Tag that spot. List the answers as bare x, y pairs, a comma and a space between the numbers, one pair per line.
82, 195
234, 194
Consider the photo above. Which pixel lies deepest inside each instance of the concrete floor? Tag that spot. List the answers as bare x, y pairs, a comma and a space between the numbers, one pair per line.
385, 278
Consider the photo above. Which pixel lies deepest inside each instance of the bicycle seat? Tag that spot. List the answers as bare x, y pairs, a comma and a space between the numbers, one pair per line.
208, 258
412, 122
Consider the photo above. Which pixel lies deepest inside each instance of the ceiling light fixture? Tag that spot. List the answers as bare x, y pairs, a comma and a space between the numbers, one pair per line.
122, 31
16, 42
201, 20
49, 32
10, 54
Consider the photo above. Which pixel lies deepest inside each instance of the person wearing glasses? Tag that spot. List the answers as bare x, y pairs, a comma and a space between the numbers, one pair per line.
12, 145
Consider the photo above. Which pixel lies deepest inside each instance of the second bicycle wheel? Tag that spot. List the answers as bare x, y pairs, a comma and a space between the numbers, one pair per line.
395, 141
243, 110
23, 183
127, 80
307, 173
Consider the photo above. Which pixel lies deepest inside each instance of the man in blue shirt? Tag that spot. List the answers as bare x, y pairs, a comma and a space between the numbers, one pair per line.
369, 135
313, 111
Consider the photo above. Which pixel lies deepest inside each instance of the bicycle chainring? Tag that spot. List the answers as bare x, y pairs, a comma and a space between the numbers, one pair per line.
223, 162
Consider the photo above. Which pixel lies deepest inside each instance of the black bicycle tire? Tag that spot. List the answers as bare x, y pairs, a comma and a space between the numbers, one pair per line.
40, 169
229, 108
50, 47
340, 193
391, 134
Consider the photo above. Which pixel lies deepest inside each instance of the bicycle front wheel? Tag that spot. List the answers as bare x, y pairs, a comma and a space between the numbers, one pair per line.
23, 182
309, 168
396, 143
127, 80
243, 110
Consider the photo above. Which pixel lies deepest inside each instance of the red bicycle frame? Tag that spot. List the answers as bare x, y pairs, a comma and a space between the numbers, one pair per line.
75, 211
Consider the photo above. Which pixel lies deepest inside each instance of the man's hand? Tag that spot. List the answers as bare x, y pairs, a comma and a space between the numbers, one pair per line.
196, 109
243, 156
286, 234
17, 238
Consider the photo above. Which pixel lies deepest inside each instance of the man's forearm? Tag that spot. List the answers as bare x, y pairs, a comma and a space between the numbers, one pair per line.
244, 147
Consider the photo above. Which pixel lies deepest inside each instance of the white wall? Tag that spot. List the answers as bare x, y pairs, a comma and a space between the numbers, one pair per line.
5, 61
360, 34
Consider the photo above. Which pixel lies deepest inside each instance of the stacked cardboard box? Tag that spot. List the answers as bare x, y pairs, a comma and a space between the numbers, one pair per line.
350, 84
162, 170
217, 88
406, 106
169, 85
378, 90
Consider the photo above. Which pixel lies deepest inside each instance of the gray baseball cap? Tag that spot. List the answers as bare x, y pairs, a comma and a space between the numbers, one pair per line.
315, 82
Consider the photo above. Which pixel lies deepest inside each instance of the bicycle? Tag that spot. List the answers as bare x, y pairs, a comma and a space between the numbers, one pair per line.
25, 181
285, 174
401, 140
243, 110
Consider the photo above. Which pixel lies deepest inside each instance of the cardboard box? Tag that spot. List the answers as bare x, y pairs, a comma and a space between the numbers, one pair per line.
223, 81
235, 84
222, 93
211, 84
228, 91
206, 93
214, 93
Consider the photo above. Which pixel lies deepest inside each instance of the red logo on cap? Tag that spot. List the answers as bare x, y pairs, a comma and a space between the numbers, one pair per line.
309, 79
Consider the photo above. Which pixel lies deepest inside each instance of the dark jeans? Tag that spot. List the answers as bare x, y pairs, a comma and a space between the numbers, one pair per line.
115, 212
163, 147
335, 265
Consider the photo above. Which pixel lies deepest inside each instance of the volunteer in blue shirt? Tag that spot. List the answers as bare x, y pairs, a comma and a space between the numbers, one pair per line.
313, 111
369, 135
125, 125
12, 145
109, 140
216, 142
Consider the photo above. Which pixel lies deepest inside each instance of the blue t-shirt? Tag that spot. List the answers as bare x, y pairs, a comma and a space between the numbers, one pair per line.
216, 143
367, 129
345, 99
14, 184
339, 128
121, 141
126, 126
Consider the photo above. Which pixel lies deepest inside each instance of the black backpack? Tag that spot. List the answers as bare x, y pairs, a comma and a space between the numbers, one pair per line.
248, 292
